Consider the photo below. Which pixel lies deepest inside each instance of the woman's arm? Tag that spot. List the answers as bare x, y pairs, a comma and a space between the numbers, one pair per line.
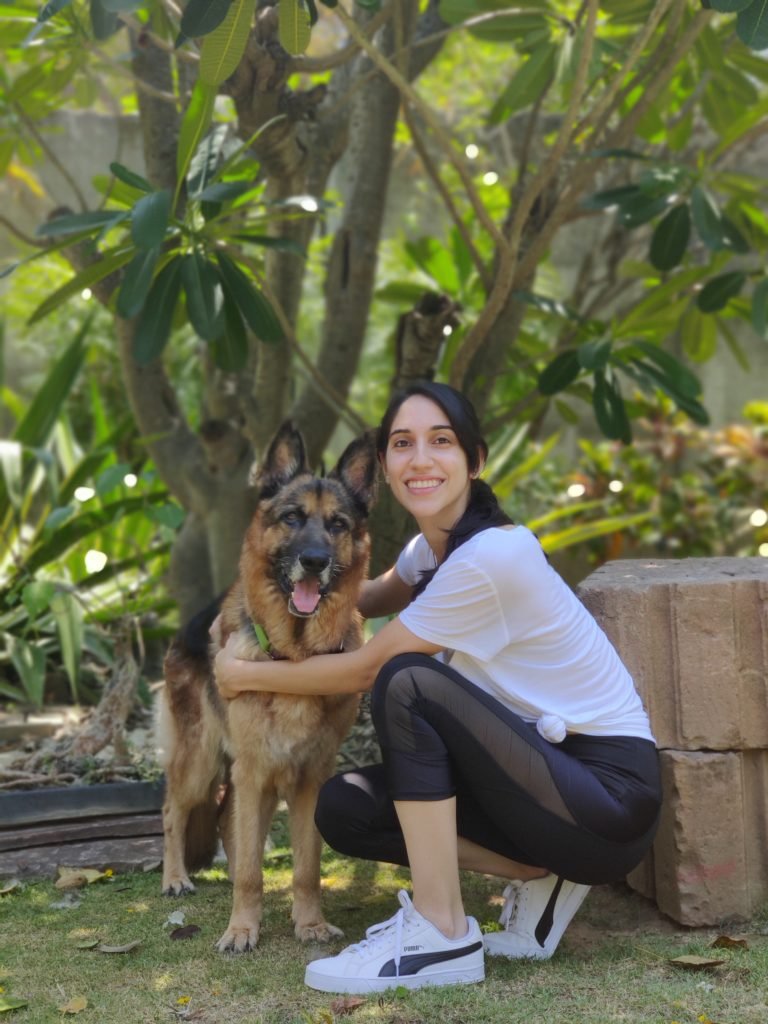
351, 672
386, 595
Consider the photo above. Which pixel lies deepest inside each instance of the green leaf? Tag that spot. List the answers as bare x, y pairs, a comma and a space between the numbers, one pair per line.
108, 262
51, 8
610, 197
230, 351
36, 597
11, 1003
732, 237
194, 126
204, 296
104, 23
561, 372
594, 355
670, 238
294, 26
698, 334
752, 25
36, 427
149, 219
154, 325
224, 47
717, 293
760, 308
122, 5
527, 84
610, 411
224, 191
29, 662
74, 223
254, 307
588, 531
137, 282
69, 626
202, 16
639, 210
708, 220
681, 378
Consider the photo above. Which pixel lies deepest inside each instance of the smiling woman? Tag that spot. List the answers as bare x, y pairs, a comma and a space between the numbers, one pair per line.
512, 737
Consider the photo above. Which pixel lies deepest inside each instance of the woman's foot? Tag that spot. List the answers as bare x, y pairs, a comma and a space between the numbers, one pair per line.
405, 951
534, 917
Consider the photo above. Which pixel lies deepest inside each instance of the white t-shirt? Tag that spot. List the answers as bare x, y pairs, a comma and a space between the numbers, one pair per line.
520, 633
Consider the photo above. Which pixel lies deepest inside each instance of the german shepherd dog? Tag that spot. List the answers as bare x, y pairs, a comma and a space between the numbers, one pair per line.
304, 557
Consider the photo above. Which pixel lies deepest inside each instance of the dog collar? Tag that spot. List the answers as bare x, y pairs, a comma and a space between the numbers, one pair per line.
263, 641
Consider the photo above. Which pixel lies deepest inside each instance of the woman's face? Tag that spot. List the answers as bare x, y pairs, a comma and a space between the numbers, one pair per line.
426, 465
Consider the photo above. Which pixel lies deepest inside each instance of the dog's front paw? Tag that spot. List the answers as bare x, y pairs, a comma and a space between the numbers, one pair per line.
318, 931
239, 938
177, 886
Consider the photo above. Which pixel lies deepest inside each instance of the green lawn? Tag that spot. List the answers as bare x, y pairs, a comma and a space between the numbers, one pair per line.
613, 965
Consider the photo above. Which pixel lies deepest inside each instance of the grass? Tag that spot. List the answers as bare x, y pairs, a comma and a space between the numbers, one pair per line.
612, 966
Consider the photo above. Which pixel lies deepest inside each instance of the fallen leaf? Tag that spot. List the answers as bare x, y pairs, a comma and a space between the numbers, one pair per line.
87, 944
187, 932
726, 942
76, 1005
176, 918
9, 1003
10, 887
696, 963
103, 948
348, 1004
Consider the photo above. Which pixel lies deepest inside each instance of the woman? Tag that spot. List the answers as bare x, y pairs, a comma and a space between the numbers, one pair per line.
514, 742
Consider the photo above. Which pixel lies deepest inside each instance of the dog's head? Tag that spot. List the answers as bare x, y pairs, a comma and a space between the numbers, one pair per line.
309, 530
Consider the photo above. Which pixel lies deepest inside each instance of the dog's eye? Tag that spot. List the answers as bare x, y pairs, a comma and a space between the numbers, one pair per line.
337, 526
292, 518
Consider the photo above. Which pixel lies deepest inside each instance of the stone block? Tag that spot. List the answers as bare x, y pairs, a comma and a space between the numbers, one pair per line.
694, 635
709, 863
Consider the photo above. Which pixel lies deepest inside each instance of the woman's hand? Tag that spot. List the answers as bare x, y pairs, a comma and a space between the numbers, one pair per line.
233, 674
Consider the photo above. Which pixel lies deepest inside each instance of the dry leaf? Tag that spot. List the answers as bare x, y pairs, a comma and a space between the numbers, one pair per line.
348, 1004
186, 932
13, 884
103, 948
176, 918
696, 963
76, 1005
726, 942
76, 878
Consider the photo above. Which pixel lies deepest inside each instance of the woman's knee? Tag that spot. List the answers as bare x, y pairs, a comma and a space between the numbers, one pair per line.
397, 682
346, 809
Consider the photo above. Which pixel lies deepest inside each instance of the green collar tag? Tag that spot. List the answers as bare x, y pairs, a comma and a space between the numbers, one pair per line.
262, 637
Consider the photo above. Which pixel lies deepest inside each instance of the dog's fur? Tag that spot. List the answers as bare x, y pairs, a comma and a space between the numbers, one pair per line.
308, 537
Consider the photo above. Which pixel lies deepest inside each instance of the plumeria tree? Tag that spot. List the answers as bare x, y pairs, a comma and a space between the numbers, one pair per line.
253, 235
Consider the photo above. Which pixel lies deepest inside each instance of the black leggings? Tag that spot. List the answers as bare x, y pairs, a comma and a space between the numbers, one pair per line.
586, 808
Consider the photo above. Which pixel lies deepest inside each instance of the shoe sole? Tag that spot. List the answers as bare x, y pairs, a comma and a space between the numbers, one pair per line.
362, 986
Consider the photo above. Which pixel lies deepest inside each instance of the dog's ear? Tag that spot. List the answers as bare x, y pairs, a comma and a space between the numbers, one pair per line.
357, 469
286, 457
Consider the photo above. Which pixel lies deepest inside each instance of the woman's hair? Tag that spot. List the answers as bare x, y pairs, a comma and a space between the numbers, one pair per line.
483, 510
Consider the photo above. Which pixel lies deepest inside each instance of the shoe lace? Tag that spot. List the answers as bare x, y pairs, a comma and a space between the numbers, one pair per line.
379, 933
512, 900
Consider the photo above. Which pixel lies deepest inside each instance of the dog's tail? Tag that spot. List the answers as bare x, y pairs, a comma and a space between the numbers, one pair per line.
201, 841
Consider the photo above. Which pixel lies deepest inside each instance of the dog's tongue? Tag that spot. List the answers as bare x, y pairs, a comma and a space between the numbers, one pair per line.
306, 596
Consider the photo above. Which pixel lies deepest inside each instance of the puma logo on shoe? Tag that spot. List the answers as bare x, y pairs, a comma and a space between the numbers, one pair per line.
418, 962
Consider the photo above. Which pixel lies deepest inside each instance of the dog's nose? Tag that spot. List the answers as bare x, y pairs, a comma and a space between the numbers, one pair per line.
314, 561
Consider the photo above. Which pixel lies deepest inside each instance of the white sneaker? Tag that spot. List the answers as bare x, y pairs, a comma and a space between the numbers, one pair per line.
534, 917
407, 950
